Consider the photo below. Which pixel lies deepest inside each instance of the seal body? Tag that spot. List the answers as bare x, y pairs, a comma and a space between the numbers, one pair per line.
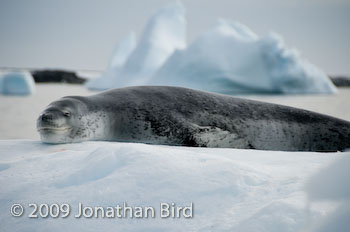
180, 116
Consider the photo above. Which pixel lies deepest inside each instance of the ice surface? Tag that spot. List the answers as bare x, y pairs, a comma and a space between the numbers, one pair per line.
120, 55
164, 33
232, 59
17, 83
231, 189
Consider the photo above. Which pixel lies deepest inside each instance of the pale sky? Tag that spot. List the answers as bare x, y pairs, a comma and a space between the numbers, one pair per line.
81, 34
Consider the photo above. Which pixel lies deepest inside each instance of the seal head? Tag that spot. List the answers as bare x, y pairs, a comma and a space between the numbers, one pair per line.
61, 121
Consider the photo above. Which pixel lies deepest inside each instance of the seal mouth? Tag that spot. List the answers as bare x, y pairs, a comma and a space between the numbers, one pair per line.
48, 129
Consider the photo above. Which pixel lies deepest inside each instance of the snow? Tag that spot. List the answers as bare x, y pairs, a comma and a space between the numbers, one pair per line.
332, 184
231, 59
17, 83
165, 32
231, 189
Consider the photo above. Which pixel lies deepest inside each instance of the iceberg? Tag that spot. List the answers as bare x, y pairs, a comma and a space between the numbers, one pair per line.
164, 33
231, 59
119, 57
17, 83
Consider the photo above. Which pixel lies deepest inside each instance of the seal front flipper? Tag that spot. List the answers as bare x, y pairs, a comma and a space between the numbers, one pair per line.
211, 136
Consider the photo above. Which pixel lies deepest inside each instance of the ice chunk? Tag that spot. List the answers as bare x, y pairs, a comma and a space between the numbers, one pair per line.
123, 51
164, 33
17, 83
232, 59
120, 55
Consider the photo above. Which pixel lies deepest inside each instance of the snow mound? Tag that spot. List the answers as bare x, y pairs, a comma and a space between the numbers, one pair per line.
231, 59
231, 189
164, 33
120, 55
17, 83
331, 184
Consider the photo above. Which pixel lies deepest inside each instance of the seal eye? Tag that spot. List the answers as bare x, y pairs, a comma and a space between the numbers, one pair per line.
66, 114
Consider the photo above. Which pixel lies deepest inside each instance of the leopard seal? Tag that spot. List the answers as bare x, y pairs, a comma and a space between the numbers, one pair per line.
180, 116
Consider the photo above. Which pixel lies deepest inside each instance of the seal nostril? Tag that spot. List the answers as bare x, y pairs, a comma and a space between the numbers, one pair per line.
46, 117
